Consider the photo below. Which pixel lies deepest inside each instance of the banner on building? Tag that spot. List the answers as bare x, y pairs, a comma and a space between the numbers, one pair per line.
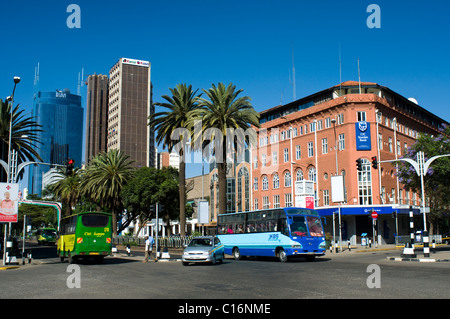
9, 202
362, 130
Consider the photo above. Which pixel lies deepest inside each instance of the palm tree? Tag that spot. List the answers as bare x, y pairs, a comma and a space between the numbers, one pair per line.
104, 179
67, 188
182, 106
24, 137
224, 111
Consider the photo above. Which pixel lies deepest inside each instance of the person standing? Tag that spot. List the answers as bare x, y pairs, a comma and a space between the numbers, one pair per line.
148, 248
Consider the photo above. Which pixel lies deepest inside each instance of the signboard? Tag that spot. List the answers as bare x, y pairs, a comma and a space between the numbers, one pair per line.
362, 130
9, 202
304, 187
136, 62
203, 212
337, 189
304, 201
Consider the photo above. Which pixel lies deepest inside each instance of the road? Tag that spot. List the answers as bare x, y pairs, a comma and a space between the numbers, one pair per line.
330, 277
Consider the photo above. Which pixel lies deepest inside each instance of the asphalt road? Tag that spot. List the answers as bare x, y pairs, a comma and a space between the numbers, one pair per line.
330, 277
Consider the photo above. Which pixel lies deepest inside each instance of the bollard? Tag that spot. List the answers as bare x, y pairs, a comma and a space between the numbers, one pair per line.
426, 244
331, 248
349, 246
128, 250
434, 247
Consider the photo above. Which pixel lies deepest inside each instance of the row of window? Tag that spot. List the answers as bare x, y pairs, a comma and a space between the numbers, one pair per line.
286, 177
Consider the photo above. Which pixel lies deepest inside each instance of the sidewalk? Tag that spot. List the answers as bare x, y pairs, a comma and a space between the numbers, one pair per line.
440, 254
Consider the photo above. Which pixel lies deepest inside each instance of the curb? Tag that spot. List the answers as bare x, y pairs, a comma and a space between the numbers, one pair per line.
418, 259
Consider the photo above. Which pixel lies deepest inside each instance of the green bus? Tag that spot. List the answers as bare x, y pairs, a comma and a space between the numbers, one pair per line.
85, 235
46, 236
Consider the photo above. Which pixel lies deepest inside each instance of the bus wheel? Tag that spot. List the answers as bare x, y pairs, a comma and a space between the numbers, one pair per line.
282, 255
237, 254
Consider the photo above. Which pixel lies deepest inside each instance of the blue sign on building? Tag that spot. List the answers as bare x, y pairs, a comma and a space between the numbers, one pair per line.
362, 130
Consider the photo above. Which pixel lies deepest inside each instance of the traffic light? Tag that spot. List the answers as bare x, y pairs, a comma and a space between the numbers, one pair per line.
359, 165
69, 166
374, 162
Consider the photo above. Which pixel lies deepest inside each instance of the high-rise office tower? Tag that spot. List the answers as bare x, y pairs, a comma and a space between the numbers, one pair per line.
129, 106
61, 116
96, 115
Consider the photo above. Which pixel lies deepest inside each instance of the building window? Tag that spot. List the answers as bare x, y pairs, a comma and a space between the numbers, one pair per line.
327, 122
276, 181
256, 206
340, 118
264, 160
390, 144
319, 125
361, 116
266, 203
275, 158
243, 194
310, 149
365, 183
255, 183
255, 161
298, 152
287, 179
288, 200
276, 201
265, 183
341, 142
380, 141
286, 155
326, 197
312, 174
324, 146
312, 127
299, 175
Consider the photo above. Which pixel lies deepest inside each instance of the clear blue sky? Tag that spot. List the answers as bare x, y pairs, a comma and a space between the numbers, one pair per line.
246, 42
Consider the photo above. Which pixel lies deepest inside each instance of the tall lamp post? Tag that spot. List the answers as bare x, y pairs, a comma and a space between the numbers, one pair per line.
11, 98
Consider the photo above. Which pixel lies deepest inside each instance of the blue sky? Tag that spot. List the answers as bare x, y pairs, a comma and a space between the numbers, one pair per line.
246, 42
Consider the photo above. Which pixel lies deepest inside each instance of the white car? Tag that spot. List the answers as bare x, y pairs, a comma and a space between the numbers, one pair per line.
203, 249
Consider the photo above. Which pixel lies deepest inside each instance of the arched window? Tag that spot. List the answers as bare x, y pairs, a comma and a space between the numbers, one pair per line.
299, 175
265, 183
276, 181
365, 183
312, 174
287, 179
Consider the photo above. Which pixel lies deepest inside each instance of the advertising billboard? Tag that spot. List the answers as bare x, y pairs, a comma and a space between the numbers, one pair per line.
9, 202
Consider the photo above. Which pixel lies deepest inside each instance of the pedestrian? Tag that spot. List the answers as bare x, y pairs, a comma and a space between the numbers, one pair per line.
148, 248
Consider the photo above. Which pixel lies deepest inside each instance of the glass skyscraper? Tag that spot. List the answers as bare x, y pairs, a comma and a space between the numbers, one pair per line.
61, 116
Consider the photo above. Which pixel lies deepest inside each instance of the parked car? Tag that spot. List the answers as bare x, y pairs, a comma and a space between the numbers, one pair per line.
203, 249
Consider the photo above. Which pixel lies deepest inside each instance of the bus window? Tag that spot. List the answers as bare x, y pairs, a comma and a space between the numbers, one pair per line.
94, 220
298, 226
282, 226
315, 227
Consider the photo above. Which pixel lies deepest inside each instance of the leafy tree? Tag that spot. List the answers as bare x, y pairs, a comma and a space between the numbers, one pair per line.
148, 187
436, 182
67, 188
24, 137
181, 109
104, 179
224, 111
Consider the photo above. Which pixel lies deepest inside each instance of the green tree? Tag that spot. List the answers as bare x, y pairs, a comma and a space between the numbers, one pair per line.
178, 119
67, 188
436, 180
24, 137
104, 179
226, 112
148, 187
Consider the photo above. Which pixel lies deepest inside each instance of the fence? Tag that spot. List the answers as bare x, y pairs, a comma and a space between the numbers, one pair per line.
169, 242
418, 239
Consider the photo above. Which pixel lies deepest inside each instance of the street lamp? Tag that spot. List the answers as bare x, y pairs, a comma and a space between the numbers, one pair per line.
11, 99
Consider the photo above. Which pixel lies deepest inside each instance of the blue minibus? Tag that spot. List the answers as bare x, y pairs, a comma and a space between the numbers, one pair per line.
278, 232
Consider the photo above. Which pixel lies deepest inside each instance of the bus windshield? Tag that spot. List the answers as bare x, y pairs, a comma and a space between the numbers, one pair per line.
299, 226
94, 220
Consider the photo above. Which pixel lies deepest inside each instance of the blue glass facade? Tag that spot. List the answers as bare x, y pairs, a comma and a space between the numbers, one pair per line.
61, 116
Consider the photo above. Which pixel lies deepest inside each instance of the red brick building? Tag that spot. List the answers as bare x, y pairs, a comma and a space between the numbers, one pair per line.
322, 135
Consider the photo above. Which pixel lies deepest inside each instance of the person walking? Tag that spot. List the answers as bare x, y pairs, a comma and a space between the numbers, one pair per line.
149, 241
